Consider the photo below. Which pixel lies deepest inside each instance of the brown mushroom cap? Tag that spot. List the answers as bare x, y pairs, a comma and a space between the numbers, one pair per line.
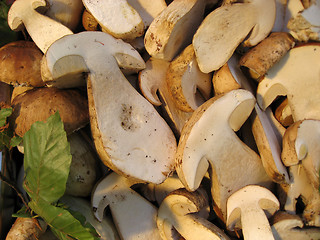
20, 64
39, 103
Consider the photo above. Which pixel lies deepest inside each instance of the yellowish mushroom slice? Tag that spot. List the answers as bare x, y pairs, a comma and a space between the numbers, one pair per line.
67, 12
129, 134
134, 216
285, 78
117, 18
287, 226
152, 80
226, 27
258, 60
172, 30
305, 26
188, 86
181, 211
301, 154
89, 23
283, 114
249, 209
267, 132
42, 29
209, 139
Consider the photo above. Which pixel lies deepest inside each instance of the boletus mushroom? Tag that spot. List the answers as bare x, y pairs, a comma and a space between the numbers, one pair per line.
129, 134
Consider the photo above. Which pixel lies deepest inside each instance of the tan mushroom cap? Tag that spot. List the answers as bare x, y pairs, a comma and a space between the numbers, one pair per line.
20, 64
39, 103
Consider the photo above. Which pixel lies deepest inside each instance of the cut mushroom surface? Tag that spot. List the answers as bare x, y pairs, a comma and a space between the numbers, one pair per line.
189, 87
227, 26
118, 18
209, 138
172, 30
296, 76
130, 135
42, 29
134, 216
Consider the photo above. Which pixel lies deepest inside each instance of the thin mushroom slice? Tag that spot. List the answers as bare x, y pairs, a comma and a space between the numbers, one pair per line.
180, 211
225, 28
301, 153
209, 138
189, 87
134, 216
117, 18
297, 76
152, 80
172, 30
286, 226
305, 26
129, 134
283, 114
249, 209
42, 29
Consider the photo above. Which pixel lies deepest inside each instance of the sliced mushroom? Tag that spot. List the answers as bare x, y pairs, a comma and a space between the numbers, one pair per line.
283, 114
39, 103
117, 18
262, 57
305, 25
105, 228
67, 12
286, 226
301, 154
152, 80
134, 216
189, 87
285, 78
180, 211
249, 209
42, 29
129, 134
226, 27
89, 23
172, 30
20, 64
209, 138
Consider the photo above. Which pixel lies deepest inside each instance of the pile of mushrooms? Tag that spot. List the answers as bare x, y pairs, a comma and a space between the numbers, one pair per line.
205, 114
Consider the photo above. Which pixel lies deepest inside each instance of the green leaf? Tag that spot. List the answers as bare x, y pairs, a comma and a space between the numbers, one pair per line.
47, 160
23, 213
4, 114
15, 141
61, 222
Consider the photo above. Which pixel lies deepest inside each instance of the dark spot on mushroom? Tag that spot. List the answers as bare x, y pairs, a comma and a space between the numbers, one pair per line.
94, 209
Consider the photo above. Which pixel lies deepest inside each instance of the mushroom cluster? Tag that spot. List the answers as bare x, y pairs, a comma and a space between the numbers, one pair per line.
188, 119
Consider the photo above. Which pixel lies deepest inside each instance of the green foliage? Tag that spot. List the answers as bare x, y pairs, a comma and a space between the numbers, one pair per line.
47, 163
7, 138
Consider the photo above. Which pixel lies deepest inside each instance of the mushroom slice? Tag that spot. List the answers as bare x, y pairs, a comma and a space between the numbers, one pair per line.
283, 113
249, 209
301, 153
20, 64
89, 23
117, 18
39, 103
42, 29
148, 10
285, 78
152, 79
105, 228
67, 12
225, 28
258, 60
189, 87
180, 211
134, 216
209, 138
129, 134
287, 227
305, 26
172, 30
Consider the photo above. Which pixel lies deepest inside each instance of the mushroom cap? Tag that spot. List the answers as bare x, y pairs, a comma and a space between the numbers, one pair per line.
39, 103
20, 64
